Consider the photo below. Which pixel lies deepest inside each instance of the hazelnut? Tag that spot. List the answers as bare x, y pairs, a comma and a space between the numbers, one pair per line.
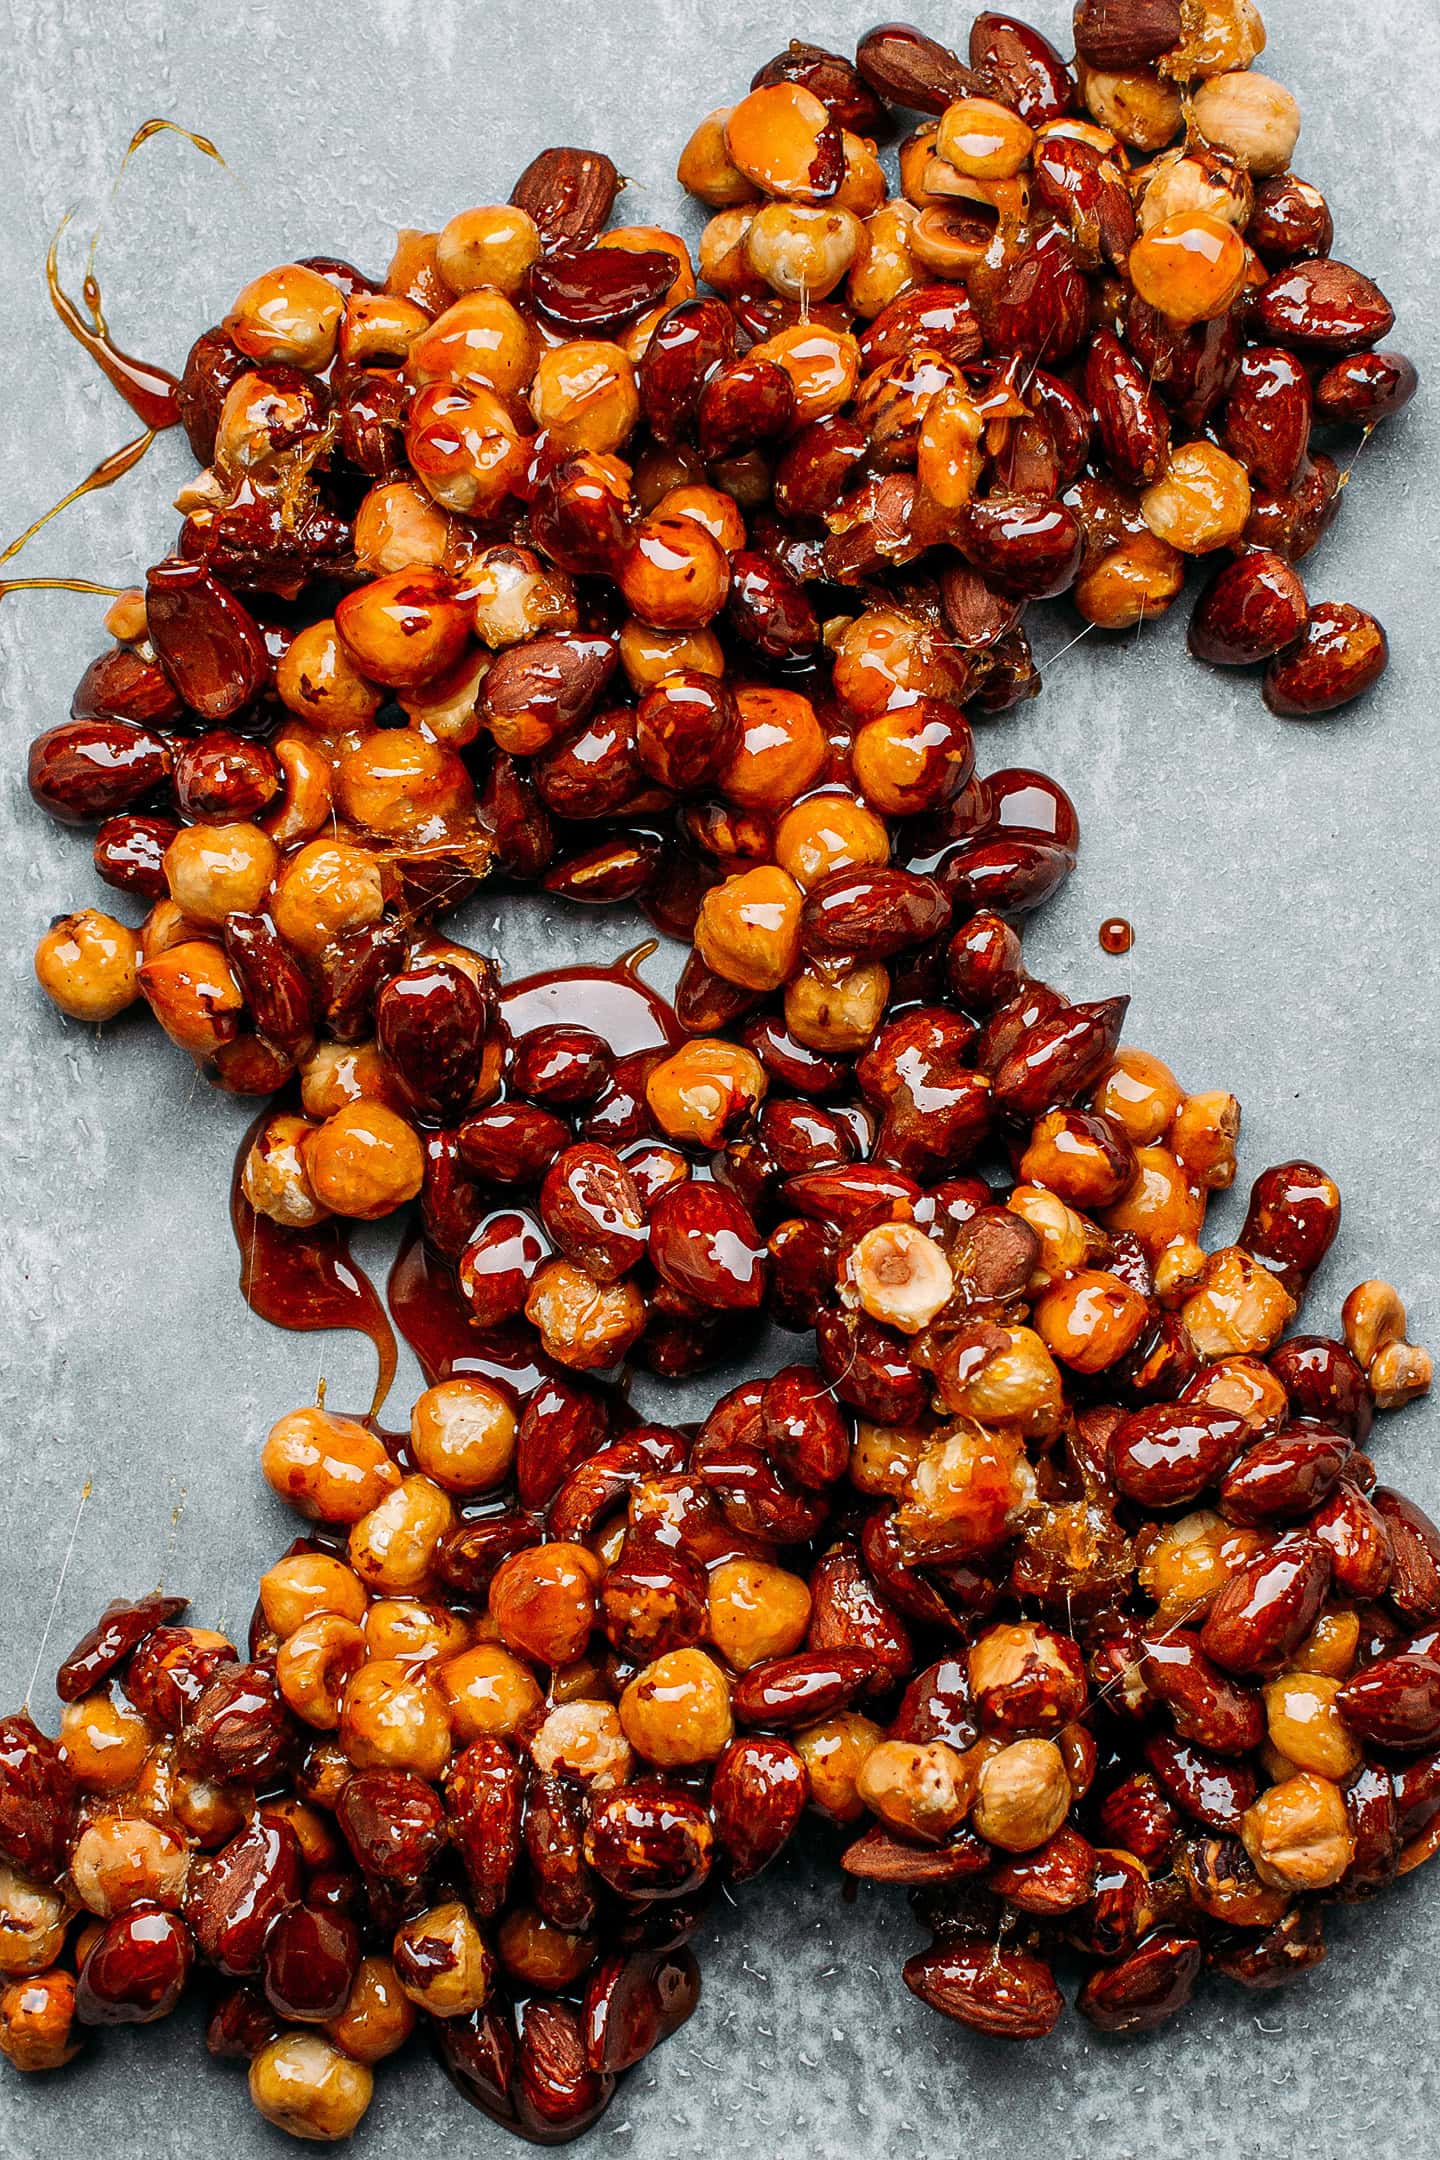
1025, 1678
836, 1005
393, 1547
1189, 1562
316, 1663
1372, 1316
677, 1710
1305, 1726
378, 2016
1203, 502
923, 1790
1202, 1139
1252, 118
365, 1161
303, 2084
490, 1693
1183, 181
584, 1323
394, 1718
748, 928
462, 1434
86, 963
898, 1275
103, 1742
1022, 1795
494, 246
803, 252
1239, 1309
968, 1489
585, 1741
329, 887
1400, 1373
705, 168
1006, 1378
304, 1584
705, 1091
834, 1751
585, 396
756, 1611
274, 1179
332, 1469
829, 832
119, 1861
1140, 1094
1137, 108
37, 2019
33, 1919
1298, 1835
442, 1961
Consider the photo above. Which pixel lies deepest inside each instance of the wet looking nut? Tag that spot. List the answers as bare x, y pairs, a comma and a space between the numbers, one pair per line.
1372, 1316
677, 1710
330, 1468
303, 2084
443, 1962
86, 964
585, 1741
33, 1920
755, 1611
274, 1178
1374, 1323
923, 1790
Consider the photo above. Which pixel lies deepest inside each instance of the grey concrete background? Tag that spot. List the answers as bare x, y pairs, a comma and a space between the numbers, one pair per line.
1281, 881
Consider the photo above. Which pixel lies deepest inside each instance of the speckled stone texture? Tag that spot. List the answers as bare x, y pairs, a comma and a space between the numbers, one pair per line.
1281, 881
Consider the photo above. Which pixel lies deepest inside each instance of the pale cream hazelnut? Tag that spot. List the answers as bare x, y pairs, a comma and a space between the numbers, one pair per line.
1022, 1795
1253, 118
443, 1962
920, 1789
585, 1741
897, 1275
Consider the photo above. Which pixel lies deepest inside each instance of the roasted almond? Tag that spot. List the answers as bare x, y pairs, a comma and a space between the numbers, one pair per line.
569, 193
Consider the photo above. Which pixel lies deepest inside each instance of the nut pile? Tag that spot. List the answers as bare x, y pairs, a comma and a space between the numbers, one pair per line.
1059, 1577
549, 561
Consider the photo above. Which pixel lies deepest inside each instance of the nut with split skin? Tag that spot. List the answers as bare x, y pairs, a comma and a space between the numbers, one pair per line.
898, 1275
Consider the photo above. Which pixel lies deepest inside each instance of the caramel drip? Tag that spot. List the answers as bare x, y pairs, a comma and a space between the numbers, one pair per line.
149, 390
105, 474
149, 128
306, 1279
59, 584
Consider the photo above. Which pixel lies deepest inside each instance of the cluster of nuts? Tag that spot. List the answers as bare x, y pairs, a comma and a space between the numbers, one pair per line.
1059, 1578
532, 557
1060, 1582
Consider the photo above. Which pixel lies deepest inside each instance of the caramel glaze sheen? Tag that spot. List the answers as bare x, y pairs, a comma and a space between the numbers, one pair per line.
1116, 935
447, 1340
147, 389
613, 1002
307, 1279
105, 474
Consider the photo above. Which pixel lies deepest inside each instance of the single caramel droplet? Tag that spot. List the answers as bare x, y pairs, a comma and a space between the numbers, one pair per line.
1116, 935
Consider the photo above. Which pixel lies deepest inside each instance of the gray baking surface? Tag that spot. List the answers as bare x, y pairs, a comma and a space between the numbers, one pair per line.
1281, 881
